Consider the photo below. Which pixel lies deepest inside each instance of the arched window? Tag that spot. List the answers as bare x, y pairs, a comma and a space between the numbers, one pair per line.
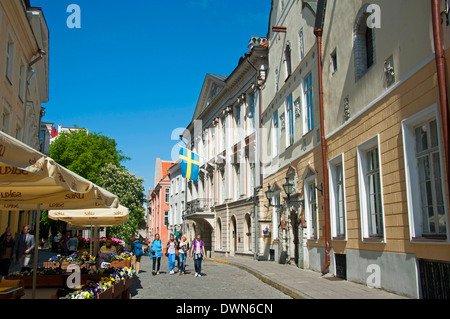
287, 56
363, 43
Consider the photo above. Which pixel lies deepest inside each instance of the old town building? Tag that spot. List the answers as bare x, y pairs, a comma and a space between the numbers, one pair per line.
223, 205
24, 82
159, 201
384, 220
327, 147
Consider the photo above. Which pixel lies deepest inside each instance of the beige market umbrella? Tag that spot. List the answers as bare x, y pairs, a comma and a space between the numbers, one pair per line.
30, 180
98, 217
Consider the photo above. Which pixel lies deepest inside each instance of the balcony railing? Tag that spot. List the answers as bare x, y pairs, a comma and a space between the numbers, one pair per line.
198, 205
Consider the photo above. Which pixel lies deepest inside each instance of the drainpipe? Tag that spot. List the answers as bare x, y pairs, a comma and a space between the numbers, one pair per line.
320, 16
442, 82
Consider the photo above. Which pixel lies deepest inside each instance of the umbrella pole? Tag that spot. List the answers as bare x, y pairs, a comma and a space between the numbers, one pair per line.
96, 240
90, 240
36, 246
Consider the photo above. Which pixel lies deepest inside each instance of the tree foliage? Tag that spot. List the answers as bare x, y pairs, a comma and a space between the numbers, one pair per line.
131, 193
86, 153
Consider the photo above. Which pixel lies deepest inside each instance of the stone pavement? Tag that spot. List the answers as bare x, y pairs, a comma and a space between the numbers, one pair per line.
218, 281
306, 284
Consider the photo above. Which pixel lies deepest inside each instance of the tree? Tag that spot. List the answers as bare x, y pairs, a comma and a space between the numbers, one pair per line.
86, 153
130, 191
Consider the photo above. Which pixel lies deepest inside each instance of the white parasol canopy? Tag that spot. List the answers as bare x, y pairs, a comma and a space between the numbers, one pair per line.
30, 180
87, 217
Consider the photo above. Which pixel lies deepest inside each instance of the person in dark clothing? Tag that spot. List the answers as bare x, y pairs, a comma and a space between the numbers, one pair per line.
6, 252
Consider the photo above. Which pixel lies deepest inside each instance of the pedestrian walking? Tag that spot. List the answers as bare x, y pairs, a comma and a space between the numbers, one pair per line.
63, 243
23, 247
6, 253
72, 245
156, 254
136, 248
171, 251
198, 252
55, 243
183, 249
178, 235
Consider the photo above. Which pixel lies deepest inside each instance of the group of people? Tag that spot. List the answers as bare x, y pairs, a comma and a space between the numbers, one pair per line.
66, 245
177, 250
15, 251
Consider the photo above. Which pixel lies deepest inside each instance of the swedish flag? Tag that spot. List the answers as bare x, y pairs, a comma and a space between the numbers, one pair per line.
190, 164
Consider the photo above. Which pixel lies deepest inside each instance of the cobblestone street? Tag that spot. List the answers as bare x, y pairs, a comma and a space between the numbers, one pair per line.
218, 281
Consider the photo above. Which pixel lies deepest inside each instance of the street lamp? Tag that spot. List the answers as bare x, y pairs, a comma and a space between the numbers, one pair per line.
269, 195
289, 188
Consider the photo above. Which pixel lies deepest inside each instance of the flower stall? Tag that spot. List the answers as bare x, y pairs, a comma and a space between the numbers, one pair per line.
115, 284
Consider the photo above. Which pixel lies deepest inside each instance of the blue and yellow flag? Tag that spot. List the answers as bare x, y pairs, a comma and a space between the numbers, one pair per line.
190, 164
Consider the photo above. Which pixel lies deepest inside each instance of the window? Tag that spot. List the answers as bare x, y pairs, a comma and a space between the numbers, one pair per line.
237, 180
223, 186
302, 44
311, 208
251, 113
337, 197
424, 176
276, 199
222, 125
252, 178
430, 178
6, 117
287, 57
370, 190
166, 218
308, 96
10, 59
18, 135
333, 60
237, 123
166, 194
289, 121
364, 44
22, 81
275, 134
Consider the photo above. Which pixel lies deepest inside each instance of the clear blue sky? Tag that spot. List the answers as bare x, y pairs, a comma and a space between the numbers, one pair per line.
134, 70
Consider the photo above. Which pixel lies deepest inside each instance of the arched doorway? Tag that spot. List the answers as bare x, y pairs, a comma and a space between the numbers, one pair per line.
248, 233
218, 233
233, 234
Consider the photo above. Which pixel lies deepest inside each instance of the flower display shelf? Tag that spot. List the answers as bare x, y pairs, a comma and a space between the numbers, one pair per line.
63, 266
44, 281
118, 289
120, 263
107, 294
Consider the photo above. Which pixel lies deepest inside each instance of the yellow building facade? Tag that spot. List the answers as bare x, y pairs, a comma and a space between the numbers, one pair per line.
24, 44
385, 150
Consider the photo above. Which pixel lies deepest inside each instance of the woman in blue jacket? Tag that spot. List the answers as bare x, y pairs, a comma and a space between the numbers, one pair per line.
156, 254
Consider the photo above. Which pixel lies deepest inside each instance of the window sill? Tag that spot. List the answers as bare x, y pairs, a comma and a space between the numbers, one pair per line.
374, 239
430, 238
339, 238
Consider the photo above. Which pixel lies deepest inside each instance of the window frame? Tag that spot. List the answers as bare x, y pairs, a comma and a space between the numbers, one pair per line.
166, 195
312, 217
413, 193
364, 196
336, 232
308, 97
289, 120
276, 200
276, 134
288, 60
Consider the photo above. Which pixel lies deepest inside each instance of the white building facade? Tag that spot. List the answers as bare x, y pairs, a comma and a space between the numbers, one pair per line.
223, 205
